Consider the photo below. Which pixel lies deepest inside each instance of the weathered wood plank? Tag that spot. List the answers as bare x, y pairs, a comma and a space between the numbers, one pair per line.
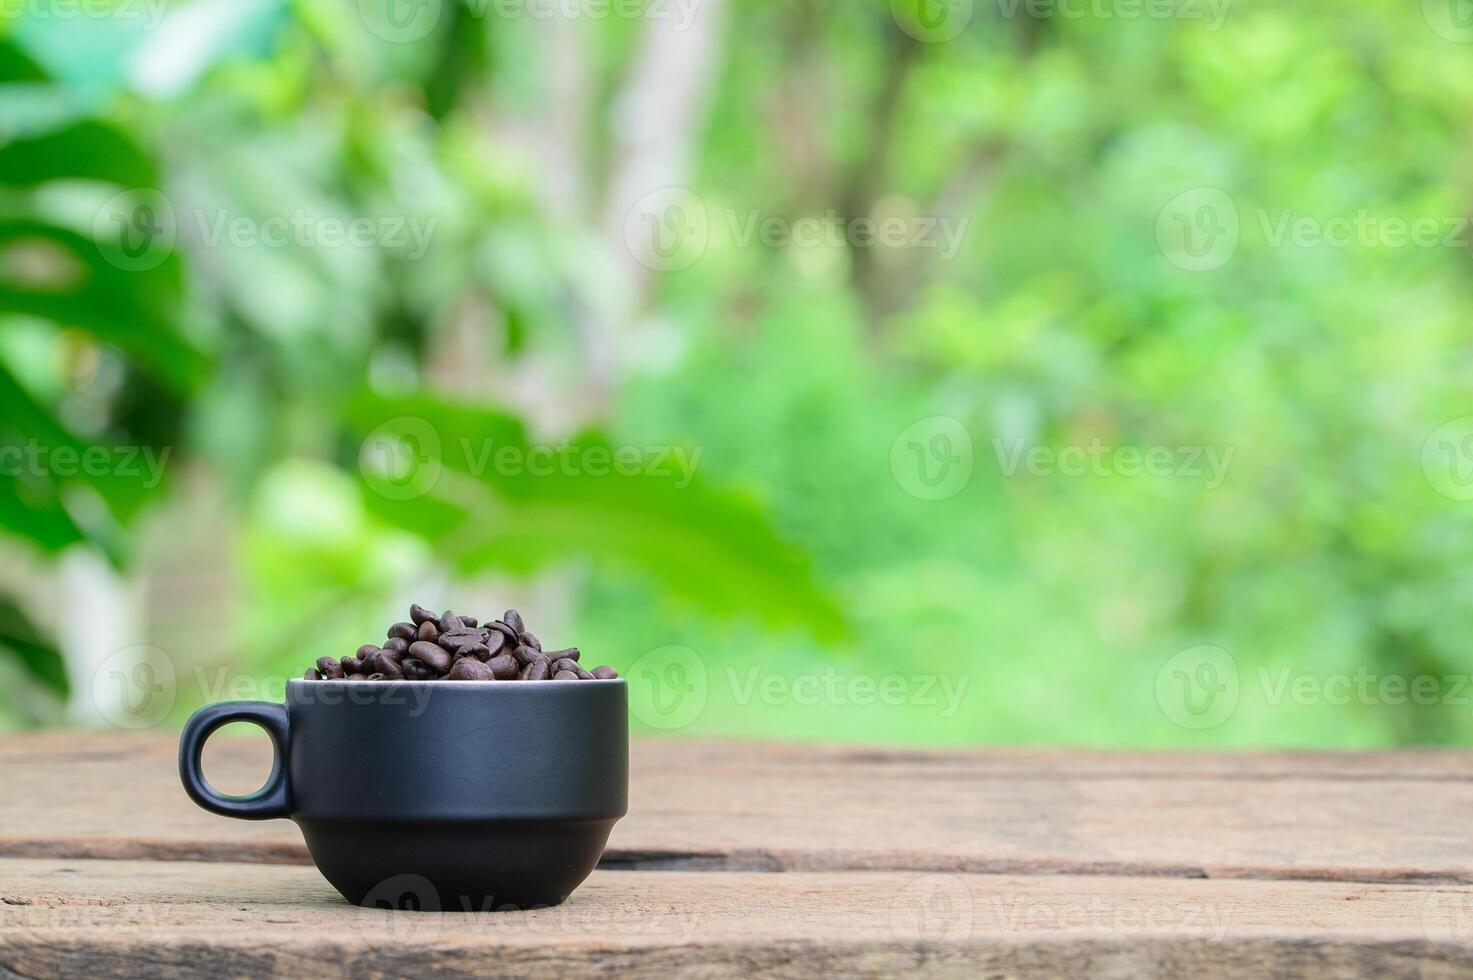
1353, 817
162, 919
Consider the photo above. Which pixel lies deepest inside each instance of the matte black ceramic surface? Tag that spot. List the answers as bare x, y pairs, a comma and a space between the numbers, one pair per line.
452, 795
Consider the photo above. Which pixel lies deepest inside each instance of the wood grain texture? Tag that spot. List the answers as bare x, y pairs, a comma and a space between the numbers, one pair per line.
168, 919
1383, 817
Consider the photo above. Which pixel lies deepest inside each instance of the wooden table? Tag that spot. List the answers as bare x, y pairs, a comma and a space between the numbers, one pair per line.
746, 859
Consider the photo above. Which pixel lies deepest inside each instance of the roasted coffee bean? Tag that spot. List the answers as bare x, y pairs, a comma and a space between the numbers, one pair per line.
431, 655
526, 655
450, 646
312, 674
466, 669
416, 671
460, 640
356, 677
505, 667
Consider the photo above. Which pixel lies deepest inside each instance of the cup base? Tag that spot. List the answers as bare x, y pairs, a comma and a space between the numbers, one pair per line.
474, 866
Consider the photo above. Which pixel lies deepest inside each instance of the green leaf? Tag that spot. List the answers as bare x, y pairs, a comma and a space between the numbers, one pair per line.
17, 66
40, 658
84, 150
488, 498
68, 281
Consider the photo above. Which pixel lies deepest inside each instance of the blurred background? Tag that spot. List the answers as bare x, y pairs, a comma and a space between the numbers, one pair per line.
982, 371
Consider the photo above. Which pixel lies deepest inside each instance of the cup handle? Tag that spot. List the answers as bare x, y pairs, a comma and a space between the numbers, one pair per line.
265, 803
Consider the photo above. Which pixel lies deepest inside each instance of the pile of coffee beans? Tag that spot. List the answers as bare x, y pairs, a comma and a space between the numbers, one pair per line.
456, 648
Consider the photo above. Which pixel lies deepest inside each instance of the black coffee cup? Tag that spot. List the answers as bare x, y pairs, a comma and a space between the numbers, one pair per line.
449, 795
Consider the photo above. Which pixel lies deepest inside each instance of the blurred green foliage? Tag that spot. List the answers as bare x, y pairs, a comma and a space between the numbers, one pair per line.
1056, 138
